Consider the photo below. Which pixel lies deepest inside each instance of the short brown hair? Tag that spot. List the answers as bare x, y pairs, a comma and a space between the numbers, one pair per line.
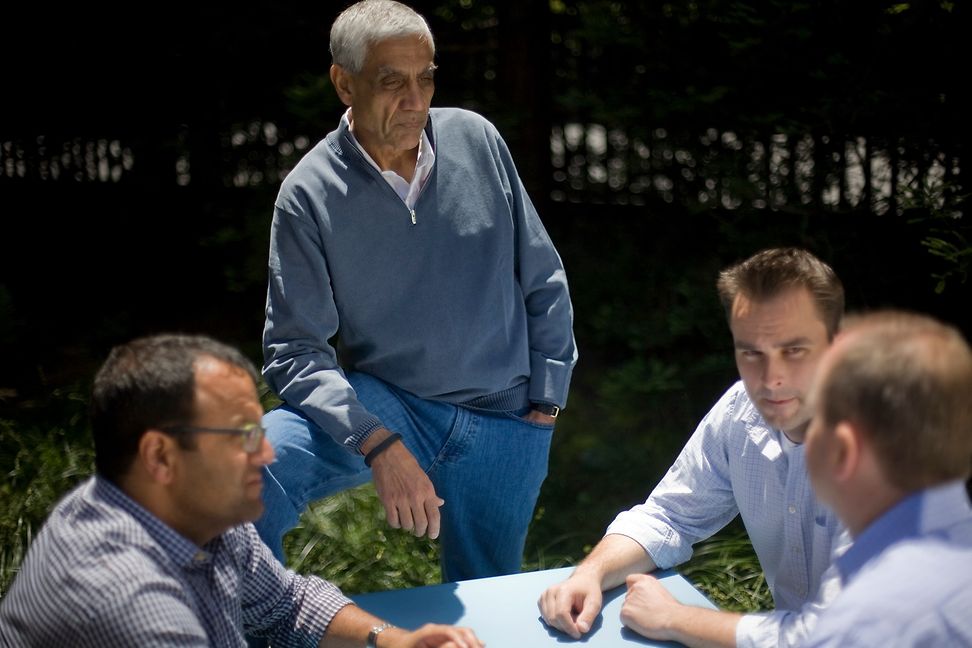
769, 272
906, 380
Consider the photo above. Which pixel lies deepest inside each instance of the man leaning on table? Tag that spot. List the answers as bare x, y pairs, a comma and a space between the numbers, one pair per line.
157, 548
746, 457
888, 450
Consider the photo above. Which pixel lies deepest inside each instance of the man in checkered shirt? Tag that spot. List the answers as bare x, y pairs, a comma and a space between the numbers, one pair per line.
157, 547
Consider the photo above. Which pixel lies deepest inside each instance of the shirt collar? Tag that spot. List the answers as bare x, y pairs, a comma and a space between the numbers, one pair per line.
181, 550
918, 514
423, 163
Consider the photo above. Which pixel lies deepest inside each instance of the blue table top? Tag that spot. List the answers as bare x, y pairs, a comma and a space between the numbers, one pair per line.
503, 610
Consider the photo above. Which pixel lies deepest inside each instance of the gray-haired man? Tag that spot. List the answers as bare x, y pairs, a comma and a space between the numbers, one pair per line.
408, 235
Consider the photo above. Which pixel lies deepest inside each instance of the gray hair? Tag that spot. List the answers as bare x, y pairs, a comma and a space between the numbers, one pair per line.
365, 23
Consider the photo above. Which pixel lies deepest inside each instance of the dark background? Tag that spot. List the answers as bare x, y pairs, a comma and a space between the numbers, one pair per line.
141, 148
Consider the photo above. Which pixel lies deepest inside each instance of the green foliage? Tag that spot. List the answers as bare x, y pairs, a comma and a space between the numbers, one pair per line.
43, 454
345, 539
946, 232
726, 569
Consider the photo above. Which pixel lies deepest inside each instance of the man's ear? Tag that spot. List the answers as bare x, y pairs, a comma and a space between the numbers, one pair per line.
849, 445
341, 79
156, 453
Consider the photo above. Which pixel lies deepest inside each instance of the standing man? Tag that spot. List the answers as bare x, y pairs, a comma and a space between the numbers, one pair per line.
407, 234
156, 549
746, 457
888, 450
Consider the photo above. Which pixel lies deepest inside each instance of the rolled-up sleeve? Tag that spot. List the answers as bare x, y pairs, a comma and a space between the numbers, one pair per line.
289, 609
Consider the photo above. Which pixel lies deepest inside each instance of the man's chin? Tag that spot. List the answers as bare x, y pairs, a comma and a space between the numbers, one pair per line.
253, 511
791, 424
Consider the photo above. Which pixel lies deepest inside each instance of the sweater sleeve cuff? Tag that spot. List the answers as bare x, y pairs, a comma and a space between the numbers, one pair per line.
362, 432
549, 380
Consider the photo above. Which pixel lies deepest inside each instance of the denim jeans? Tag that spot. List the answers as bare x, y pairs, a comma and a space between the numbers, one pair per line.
487, 466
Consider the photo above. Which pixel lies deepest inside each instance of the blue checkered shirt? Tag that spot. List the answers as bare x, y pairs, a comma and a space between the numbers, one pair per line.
105, 572
735, 463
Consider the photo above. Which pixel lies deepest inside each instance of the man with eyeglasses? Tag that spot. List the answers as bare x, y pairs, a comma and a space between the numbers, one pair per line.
157, 547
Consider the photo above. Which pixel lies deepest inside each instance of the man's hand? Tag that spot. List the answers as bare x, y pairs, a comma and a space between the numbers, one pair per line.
651, 611
648, 607
350, 626
404, 489
572, 606
437, 636
539, 417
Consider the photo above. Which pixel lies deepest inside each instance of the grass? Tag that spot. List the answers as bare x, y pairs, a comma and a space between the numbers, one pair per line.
45, 449
42, 455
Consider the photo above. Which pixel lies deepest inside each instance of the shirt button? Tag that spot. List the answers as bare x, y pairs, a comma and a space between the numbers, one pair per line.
792, 509
200, 557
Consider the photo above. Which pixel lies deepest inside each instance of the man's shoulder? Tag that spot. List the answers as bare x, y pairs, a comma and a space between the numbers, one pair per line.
311, 167
451, 120
87, 566
91, 539
734, 423
735, 407
455, 114
927, 558
915, 586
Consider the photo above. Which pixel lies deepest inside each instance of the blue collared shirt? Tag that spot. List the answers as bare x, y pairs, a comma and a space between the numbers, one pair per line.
104, 571
908, 577
735, 463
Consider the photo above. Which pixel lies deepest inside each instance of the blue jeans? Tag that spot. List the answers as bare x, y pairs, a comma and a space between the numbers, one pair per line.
487, 466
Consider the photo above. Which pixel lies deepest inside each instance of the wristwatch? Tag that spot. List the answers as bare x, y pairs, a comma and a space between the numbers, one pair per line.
546, 408
373, 635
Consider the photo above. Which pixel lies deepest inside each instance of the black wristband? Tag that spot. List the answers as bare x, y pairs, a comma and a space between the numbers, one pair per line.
381, 447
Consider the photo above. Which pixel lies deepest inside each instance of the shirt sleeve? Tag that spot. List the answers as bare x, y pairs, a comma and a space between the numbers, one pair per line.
289, 609
693, 500
543, 282
791, 628
152, 612
299, 362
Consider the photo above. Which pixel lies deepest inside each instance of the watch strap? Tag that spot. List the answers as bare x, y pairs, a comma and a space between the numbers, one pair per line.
546, 408
373, 635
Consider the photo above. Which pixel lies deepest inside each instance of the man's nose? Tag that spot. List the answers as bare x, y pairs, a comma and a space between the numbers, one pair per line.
264, 455
774, 372
414, 98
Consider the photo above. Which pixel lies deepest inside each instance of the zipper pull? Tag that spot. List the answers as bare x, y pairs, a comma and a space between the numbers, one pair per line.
412, 211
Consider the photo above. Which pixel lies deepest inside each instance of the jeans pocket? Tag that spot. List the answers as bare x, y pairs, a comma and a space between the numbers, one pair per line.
520, 417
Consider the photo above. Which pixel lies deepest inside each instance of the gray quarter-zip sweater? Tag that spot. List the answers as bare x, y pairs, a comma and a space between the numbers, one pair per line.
463, 299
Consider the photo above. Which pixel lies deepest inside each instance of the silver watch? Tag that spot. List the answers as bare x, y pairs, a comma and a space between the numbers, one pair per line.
373, 635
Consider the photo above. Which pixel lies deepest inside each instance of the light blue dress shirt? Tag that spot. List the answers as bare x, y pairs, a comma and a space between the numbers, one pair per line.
735, 463
106, 572
908, 577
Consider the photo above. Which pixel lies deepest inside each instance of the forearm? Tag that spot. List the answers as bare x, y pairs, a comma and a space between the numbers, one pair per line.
613, 559
350, 627
702, 628
652, 611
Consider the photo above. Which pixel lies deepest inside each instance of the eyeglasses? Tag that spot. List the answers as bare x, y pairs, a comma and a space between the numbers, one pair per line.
251, 433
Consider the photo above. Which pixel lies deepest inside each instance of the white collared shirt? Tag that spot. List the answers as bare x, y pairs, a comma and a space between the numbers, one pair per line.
735, 463
407, 191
